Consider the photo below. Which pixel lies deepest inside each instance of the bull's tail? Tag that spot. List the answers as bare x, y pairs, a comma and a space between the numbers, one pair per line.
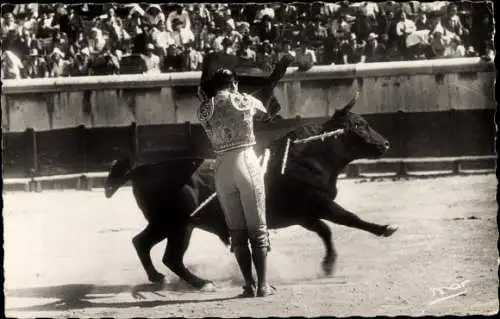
118, 175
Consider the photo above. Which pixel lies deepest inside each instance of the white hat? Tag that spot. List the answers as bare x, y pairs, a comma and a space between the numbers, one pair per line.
372, 36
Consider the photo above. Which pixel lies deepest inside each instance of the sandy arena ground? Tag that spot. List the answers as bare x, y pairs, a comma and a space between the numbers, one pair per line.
69, 254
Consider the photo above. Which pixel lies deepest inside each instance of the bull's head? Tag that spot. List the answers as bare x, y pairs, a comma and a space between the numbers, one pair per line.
359, 139
117, 176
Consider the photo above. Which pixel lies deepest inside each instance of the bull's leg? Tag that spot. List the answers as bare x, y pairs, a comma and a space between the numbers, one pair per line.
143, 243
341, 216
323, 231
178, 243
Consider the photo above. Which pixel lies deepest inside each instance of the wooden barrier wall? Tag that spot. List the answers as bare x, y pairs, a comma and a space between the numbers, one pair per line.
66, 125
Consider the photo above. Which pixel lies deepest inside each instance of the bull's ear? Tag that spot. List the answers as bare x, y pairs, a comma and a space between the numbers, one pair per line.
351, 103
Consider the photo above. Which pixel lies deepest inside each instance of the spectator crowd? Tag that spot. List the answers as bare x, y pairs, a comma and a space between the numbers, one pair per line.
53, 40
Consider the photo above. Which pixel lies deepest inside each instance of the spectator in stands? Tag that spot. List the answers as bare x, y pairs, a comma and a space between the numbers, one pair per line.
9, 24
363, 25
247, 55
179, 18
174, 62
374, 51
11, 65
151, 60
177, 35
452, 21
78, 45
154, 15
268, 31
193, 58
74, 26
422, 22
161, 38
58, 66
207, 36
36, 67
97, 42
341, 25
353, 52
305, 57
135, 21
107, 63
227, 45
438, 43
81, 64
286, 13
404, 28
28, 42
286, 49
264, 56
318, 34
60, 41
30, 22
455, 49
47, 25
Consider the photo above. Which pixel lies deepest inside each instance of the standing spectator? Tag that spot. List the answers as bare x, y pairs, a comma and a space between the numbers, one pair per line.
404, 28
58, 67
9, 24
352, 52
268, 31
180, 18
374, 51
74, 26
36, 67
453, 22
154, 15
47, 25
151, 60
11, 65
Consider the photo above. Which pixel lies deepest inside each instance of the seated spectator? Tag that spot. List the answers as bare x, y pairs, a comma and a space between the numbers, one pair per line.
58, 66
28, 42
36, 67
30, 23
60, 41
161, 38
455, 49
154, 15
318, 34
422, 23
286, 49
106, 63
112, 25
243, 28
78, 45
305, 58
264, 56
438, 44
227, 45
286, 12
207, 36
97, 42
363, 26
268, 31
217, 42
174, 61
374, 51
352, 52
11, 65
193, 58
81, 64
341, 25
151, 60
246, 54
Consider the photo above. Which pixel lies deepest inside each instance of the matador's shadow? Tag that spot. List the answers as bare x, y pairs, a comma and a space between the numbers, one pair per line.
80, 296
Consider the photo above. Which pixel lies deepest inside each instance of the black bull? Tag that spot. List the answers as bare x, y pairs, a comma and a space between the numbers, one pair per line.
168, 192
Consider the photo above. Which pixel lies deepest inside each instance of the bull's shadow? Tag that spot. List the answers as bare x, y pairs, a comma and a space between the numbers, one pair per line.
80, 296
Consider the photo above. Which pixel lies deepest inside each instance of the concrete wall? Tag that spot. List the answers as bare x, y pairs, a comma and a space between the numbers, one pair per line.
106, 101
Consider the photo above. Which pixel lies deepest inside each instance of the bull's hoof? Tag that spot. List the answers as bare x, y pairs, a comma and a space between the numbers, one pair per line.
208, 287
156, 278
328, 265
389, 230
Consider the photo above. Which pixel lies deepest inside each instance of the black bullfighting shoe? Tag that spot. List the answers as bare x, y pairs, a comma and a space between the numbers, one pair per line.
248, 292
389, 230
265, 291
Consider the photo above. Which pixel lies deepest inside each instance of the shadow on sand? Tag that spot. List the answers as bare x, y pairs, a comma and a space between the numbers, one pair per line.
79, 296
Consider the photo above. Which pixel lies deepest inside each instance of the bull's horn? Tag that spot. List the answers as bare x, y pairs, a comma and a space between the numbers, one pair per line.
351, 103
